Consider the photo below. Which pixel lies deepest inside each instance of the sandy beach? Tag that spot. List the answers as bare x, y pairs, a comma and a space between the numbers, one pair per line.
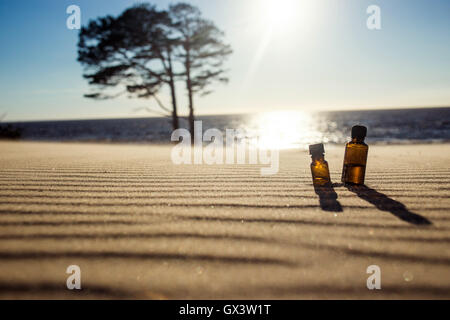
140, 227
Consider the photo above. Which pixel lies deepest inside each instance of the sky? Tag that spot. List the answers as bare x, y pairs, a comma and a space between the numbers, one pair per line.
288, 55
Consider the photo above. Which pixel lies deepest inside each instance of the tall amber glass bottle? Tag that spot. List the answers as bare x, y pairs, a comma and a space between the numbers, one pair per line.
355, 158
319, 167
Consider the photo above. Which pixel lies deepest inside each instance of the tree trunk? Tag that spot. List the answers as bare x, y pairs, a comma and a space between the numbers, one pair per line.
190, 93
175, 121
191, 111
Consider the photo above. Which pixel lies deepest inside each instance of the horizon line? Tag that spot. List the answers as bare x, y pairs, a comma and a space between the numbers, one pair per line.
384, 108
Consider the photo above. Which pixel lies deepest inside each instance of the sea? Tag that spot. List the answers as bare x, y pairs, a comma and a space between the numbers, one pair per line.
282, 129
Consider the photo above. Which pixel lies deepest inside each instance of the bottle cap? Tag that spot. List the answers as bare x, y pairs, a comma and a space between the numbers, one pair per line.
359, 132
316, 148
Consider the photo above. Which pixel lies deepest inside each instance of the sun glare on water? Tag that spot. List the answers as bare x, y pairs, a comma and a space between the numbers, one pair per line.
284, 130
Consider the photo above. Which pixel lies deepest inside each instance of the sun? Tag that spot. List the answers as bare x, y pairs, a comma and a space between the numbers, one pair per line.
278, 13
282, 14
280, 21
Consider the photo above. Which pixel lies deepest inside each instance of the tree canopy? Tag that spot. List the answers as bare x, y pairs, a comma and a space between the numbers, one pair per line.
145, 49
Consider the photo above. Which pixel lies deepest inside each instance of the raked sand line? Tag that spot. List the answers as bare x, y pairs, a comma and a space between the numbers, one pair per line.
140, 227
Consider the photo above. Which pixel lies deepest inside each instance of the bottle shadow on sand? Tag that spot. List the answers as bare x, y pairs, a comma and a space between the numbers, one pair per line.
384, 203
328, 198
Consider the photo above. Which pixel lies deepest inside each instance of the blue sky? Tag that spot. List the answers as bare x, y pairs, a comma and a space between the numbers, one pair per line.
316, 55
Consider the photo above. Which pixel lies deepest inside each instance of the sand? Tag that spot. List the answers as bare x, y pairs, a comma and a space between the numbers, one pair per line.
140, 227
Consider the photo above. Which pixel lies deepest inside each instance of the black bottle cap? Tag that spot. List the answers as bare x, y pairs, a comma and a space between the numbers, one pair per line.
316, 149
359, 132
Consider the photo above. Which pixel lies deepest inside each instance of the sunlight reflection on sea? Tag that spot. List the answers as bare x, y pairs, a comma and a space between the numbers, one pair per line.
290, 129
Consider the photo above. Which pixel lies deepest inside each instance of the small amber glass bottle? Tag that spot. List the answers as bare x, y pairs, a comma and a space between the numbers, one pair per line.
319, 167
355, 158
